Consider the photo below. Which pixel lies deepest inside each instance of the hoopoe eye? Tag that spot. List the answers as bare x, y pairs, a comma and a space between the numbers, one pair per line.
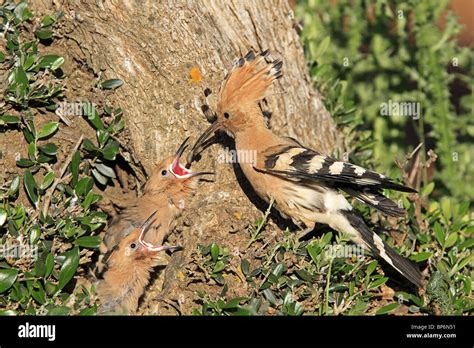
226, 115
164, 172
133, 246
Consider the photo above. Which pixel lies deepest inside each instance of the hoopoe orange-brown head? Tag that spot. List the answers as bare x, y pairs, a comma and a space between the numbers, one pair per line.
128, 269
171, 176
237, 107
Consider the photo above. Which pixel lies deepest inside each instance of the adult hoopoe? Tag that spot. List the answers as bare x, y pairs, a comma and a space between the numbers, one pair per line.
166, 191
128, 268
304, 184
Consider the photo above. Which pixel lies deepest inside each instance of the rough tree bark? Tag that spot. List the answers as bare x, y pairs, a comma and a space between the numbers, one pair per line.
152, 47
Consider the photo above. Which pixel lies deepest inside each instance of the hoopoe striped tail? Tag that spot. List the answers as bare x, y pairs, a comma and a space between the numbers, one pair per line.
362, 234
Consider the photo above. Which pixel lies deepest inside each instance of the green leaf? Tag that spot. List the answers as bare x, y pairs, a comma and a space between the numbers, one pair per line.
439, 233
88, 311
110, 150
99, 177
214, 252
24, 163
14, 186
376, 283
29, 60
313, 250
84, 186
47, 180
32, 150
9, 119
102, 137
22, 12
42, 158
7, 278
218, 267
427, 189
451, 240
68, 269
88, 241
326, 239
111, 84
468, 243
93, 116
387, 309
103, 169
48, 129
49, 263
47, 21
44, 34
279, 270
89, 146
29, 133
245, 266
74, 167
51, 62
421, 256
90, 199
233, 303
59, 310
463, 262
323, 47
49, 149
446, 207
35, 234
371, 267
270, 296
31, 187
21, 78
38, 293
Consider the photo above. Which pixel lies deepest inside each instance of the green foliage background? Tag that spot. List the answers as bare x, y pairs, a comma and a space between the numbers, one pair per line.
365, 53
48, 239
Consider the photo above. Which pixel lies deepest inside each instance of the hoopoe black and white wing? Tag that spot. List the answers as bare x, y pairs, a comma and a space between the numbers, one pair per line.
305, 166
296, 162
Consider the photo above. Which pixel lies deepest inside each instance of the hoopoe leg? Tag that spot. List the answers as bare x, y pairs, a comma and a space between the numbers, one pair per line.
304, 232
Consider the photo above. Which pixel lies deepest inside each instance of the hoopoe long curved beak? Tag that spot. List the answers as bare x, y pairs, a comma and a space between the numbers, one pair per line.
180, 171
202, 139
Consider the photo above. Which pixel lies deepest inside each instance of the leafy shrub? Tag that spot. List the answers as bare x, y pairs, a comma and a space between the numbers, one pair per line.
363, 54
49, 221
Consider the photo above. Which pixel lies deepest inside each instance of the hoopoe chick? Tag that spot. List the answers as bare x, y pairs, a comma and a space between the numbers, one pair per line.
167, 191
128, 268
304, 184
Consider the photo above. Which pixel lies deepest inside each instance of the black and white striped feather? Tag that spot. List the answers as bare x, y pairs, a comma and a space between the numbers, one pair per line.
300, 163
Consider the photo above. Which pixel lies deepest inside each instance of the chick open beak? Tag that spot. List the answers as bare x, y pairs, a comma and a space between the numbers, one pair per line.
180, 171
148, 246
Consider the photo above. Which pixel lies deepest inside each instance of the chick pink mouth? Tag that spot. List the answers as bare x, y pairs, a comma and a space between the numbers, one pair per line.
179, 170
148, 246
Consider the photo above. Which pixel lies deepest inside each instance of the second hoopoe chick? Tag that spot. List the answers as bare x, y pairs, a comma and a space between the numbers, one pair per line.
128, 268
167, 191
304, 184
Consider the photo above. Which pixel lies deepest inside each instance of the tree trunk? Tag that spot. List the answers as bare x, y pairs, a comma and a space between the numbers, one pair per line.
152, 46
